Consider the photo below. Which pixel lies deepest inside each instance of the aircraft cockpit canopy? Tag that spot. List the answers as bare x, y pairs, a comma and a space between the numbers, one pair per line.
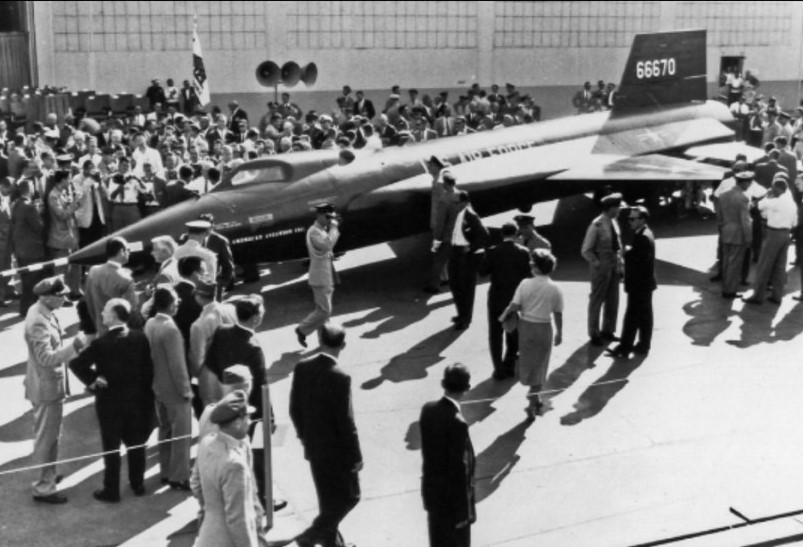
279, 170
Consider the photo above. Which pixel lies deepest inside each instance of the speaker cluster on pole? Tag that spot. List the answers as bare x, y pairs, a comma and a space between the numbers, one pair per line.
269, 74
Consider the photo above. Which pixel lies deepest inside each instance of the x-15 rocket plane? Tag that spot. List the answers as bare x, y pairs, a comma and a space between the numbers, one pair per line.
659, 114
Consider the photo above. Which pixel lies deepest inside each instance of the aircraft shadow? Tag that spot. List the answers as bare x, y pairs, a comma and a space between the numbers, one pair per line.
413, 363
495, 463
597, 395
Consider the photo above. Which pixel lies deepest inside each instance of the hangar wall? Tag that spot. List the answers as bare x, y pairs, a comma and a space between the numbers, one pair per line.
114, 46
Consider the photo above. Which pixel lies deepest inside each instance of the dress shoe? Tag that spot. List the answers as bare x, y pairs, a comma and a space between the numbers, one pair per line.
59, 478
102, 495
53, 499
605, 335
139, 490
164, 480
731, 295
432, 290
619, 352
774, 300
754, 301
278, 505
455, 319
798, 297
717, 277
499, 375
597, 341
302, 338
460, 325
183, 485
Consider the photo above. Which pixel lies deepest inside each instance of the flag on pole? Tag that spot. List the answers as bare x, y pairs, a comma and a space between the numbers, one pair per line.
199, 80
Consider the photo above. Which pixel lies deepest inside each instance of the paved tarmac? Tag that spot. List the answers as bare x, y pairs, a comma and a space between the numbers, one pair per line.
674, 445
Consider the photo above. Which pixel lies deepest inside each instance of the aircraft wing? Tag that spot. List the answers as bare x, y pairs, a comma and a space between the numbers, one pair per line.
724, 152
650, 167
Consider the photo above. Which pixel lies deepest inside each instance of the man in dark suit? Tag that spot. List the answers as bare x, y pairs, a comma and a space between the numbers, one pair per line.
117, 368
177, 191
236, 114
508, 264
465, 234
111, 280
27, 242
189, 99
220, 133
237, 345
321, 410
447, 485
364, 107
639, 286
192, 270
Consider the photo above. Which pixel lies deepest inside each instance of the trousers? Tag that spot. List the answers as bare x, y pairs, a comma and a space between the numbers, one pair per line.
442, 532
130, 424
175, 420
772, 264
338, 489
604, 294
322, 311
462, 282
47, 430
732, 260
638, 320
503, 359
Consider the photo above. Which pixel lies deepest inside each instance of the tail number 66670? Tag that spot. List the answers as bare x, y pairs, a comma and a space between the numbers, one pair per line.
655, 68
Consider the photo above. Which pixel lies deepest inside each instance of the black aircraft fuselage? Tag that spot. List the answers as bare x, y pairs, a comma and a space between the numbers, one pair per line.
265, 206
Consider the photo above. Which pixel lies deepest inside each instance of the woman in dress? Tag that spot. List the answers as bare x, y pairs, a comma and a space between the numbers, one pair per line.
537, 299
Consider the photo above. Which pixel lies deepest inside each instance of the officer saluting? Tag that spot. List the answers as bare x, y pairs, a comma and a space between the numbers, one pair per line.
528, 236
322, 237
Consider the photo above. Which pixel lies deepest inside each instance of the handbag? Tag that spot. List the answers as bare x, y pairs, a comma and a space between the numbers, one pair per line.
511, 322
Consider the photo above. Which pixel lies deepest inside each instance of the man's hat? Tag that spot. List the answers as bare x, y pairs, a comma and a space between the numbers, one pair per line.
449, 178
51, 286
524, 220
237, 374
205, 289
232, 406
745, 175
198, 226
612, 199
325, 209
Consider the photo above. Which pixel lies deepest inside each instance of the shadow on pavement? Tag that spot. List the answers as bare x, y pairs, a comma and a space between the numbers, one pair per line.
597, 395
495, 463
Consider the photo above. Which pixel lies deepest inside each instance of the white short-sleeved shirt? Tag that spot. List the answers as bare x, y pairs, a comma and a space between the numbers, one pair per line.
539, 297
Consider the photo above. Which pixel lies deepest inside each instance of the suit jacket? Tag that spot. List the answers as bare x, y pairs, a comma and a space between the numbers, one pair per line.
640, 263
62, 233
171, 381
188, 310
223, 482
44, 371
734, 218
365, 108
235, 345
27, 231
220, 245
789, 161
508, 264
765, 172
444, 126
322, 413
320, 245
123, 357
236, 116
473, 230
213, 135
104, 282
167, 273
189, 99
176, 192
448, 480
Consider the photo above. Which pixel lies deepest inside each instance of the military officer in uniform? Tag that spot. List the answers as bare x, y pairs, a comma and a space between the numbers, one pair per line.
602, 249
736, 232
322, 237
528, 236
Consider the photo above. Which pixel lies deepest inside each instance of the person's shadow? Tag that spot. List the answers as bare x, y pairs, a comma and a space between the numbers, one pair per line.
756, 325
413, 363
564, 377
597, 395
709, 316
496, 462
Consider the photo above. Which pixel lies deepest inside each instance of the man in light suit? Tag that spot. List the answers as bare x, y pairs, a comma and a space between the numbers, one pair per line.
110, 280
213, 315
171, 386
448, 481
322, 237
27, 243
91, 214
321, 410
464, 234
164, 247
44, 382
736, 232
222, 480
443, 204
197, 231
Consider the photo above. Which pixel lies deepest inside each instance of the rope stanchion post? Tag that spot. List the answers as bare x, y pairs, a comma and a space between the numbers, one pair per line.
267, 455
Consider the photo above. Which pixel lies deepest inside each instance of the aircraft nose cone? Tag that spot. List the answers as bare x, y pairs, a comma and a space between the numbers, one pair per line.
139, 235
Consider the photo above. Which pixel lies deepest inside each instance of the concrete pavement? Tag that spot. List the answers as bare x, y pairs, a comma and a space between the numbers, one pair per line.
628, 452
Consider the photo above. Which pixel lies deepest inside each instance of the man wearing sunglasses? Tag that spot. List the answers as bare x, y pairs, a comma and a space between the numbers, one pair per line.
639, 286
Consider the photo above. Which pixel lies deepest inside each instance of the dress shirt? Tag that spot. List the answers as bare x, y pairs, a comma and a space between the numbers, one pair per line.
129, 194
149, 155
780, 212
458, 239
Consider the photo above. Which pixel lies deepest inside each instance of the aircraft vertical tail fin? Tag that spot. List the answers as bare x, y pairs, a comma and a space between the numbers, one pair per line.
663, 68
